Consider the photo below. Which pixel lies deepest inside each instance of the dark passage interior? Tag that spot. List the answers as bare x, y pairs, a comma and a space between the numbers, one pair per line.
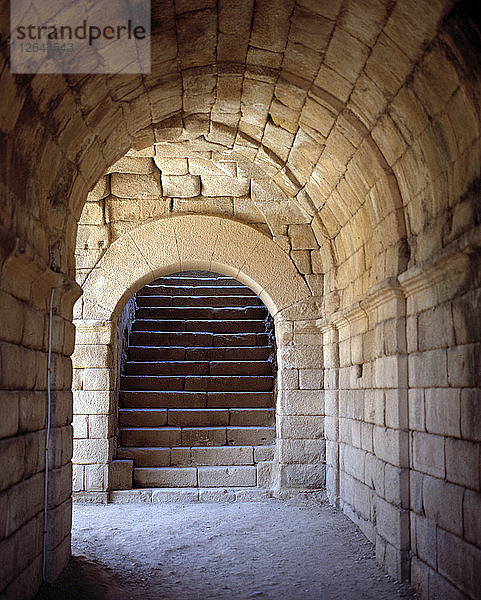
196, 399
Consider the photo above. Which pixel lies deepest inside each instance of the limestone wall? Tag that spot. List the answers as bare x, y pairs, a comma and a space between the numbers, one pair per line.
25, 294
348, 136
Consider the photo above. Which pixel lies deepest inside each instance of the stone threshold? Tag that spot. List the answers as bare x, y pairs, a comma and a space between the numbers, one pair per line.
191, 495
174, 495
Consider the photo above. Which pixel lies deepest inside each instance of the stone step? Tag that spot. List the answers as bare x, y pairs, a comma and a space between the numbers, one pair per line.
196, 436
197, 455
205, 325
189, 495
195, 290
201, 312
208, 476
172, 338
195, 417
208, 383
187, 399
189, 416
240, 399
180, 353
184, 367
208, 301
136, 399
176, 367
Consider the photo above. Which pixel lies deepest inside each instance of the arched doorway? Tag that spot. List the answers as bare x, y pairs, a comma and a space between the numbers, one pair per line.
196, 398
191, 242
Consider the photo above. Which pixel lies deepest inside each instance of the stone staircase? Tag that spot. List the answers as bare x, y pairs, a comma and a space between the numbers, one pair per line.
196, 400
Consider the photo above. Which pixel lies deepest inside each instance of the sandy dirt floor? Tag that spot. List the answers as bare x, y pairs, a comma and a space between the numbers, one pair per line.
291, 550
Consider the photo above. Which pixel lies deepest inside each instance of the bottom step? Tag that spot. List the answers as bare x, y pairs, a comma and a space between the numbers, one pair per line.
212, 476
189, 495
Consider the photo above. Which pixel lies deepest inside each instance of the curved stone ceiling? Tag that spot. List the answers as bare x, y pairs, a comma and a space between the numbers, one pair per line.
362, 113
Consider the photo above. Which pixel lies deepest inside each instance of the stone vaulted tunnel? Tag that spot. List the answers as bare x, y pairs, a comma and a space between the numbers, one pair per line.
327, 155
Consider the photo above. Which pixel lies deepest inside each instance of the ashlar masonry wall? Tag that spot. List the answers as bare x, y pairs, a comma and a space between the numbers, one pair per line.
209, 243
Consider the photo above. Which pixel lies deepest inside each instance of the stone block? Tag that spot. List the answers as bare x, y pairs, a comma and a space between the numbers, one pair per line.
392, 524
471, 414
394, 412
140, 165
463, 365
90, 402
120, 474
9, 408
172, 166
424, 539
302, 260
90, 497
250, 436
435, 328
428, 369
80, 426
263, 453
352, 460
213, 436
35, 451
212, 206
198, 417
302, 237
301, 451
217, 495
390, 372
90, 452
443, 504
91, 355
78, 472
123, 212
300, 357
416, 409
169, 477
130, 496
300, 427
177, 495
301, 402
133, 186
227, 476
100, 190
462, 463
97, 379
459, 561
251, 494
288, 379
251, 417
471, 515
346, 55
374, 473
391, 445
428, 454
264, 474
396, 486
224, 186
226, 455
25, 500
306, 476
12, 461
180, 186
96, 477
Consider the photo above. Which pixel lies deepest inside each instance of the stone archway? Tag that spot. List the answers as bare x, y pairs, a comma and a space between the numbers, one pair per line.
196, 242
